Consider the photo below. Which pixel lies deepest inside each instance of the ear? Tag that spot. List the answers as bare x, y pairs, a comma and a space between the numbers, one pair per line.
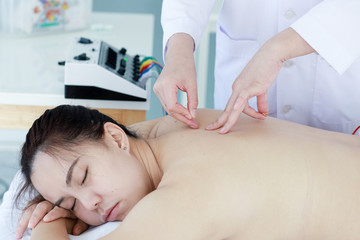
115, 133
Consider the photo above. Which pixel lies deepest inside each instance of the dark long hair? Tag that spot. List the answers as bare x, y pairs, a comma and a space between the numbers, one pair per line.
62, 127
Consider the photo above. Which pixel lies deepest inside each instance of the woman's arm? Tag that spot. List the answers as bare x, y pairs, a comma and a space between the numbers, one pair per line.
57, 229
45, 211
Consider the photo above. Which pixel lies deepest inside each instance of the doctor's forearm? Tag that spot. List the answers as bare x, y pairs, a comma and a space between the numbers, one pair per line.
180, 45
288, 44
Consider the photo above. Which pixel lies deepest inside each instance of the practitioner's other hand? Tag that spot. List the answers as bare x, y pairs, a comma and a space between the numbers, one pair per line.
254, 80
179, 74
257, 77
45, 211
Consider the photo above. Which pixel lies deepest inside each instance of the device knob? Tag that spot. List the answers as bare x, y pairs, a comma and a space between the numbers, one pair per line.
85, 40
122, 51
136, 78
82, 57
136, 71
122, 63
121, 71
137, 58
136, 64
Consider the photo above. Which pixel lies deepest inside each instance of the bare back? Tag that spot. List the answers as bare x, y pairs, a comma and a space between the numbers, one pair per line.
264, 180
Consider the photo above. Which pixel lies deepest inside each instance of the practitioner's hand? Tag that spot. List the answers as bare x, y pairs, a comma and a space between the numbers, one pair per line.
47, 212
254, 80
257, 77
179, 74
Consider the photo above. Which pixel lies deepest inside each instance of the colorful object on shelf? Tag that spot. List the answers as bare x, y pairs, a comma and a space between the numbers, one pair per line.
34, 16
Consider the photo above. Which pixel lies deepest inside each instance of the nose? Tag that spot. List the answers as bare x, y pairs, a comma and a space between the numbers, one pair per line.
90, 200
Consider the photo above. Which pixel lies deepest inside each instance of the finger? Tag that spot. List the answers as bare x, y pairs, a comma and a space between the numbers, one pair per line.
192, 99
164, 106
57, 213
233, 117
234, 108
168, 100
224, 116
39, 212
187, 120
253, 113
241, 100
24, 221
179, 109
218, 123
262, 104
80, 227
171, 105
190, 122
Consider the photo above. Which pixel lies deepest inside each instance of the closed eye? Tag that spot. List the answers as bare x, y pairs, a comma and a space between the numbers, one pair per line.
86, 173
83, 181
73, 206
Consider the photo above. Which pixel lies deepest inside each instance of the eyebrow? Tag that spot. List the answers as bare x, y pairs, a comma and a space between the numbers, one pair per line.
68, 180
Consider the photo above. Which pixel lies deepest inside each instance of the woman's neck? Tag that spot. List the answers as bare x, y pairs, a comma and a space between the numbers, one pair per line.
142, 150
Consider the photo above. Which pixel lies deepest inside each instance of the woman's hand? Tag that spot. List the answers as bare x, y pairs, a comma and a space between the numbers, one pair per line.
47, 212
179, 73
257, 77
57, 229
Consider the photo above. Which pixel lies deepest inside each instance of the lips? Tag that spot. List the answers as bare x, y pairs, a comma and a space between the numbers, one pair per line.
111, 213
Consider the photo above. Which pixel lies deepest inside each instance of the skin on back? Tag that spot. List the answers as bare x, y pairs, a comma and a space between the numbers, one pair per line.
264, 180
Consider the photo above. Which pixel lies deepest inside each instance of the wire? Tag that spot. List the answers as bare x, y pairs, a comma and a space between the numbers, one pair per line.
147, 72
356, 130
148, 62
149, 67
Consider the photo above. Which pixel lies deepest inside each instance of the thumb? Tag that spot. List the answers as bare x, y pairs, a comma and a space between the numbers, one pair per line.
262, 104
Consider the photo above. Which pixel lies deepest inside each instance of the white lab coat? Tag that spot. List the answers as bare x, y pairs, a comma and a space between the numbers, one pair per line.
320, 89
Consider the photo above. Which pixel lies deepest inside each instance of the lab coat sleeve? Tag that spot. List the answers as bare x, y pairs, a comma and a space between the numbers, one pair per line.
332, 29
185, 16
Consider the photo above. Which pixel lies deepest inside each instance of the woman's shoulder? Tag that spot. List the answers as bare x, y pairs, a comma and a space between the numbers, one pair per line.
167, 124
156, 127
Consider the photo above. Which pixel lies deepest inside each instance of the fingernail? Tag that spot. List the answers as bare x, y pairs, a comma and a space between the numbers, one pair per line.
188, 116
46, 218
209, 127
265, 114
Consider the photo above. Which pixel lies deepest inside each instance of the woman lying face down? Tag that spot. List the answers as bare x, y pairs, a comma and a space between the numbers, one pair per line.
81, 160
98, 181
265, 179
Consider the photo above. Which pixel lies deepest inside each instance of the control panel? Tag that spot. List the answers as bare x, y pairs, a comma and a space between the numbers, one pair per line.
96, 70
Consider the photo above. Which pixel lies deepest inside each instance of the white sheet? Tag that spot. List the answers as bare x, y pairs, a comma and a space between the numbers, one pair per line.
9, 217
